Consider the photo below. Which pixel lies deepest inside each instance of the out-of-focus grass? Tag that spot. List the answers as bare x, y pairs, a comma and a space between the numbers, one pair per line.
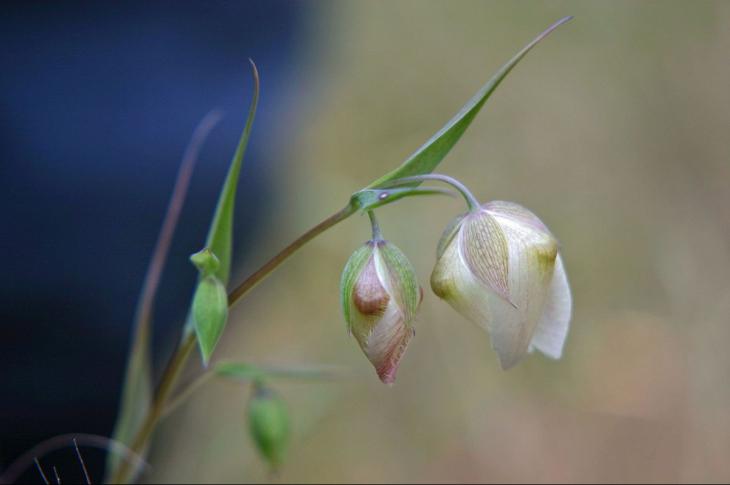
615, 132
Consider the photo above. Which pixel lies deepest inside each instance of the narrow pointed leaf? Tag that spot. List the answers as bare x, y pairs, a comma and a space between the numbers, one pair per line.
220, 235
428, 156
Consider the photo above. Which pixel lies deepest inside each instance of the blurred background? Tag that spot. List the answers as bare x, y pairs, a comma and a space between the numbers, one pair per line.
614, 131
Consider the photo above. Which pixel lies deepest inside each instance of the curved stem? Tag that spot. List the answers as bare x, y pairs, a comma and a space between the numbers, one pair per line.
185, 348
471, 201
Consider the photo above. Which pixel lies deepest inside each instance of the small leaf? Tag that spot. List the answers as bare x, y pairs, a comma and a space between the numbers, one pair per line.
206, 262
243, 371
210, 311
268, 421
426, 158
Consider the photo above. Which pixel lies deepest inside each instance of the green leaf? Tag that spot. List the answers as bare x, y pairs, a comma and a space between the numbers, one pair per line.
220, 235
426, 158
210, 312
250, 372
369, 199
268, 421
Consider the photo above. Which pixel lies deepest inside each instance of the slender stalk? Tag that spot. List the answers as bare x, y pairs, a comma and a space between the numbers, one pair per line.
377, 235
253, 280
182, 353
471, 201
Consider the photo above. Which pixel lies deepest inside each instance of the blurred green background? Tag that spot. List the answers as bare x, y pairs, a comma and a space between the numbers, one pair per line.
615, 131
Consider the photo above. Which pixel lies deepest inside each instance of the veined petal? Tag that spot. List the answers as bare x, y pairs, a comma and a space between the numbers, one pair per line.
387, 342
515, 212
552, 328
531, 264
483, 247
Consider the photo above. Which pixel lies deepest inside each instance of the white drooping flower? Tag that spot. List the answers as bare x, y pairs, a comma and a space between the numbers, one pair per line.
380, 297
499, 266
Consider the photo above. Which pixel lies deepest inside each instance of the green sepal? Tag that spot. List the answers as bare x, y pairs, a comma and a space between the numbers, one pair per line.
352, 270
210, 312
403, 279
206, 262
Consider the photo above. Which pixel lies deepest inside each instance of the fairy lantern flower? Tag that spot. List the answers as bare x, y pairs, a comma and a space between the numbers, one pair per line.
380, 296
499, 266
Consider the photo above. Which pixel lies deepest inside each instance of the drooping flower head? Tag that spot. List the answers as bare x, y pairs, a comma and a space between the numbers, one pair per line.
498, 265
380, 297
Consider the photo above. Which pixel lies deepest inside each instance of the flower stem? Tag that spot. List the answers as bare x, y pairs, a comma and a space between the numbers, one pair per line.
471, 201
377, 235
185, 348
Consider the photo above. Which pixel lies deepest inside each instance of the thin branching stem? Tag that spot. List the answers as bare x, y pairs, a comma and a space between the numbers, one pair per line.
182, 353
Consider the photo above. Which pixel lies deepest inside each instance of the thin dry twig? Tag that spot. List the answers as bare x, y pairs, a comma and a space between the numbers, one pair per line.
83, 463
13, 472
40, 470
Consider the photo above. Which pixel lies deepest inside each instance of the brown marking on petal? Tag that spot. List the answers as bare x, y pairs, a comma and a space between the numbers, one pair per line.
369, 296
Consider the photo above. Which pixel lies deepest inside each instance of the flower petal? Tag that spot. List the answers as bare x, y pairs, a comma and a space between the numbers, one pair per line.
532, 257
387, 343
484, 250
399, 279
552, 328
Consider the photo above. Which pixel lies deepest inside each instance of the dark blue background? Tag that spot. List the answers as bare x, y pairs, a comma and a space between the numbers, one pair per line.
97, 103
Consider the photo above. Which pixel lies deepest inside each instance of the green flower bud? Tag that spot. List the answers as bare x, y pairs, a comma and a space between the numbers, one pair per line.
499, 267
268, 422
210, 304
380, 296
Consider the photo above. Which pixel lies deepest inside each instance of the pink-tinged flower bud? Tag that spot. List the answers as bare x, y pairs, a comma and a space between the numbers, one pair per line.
499, 267
380, 297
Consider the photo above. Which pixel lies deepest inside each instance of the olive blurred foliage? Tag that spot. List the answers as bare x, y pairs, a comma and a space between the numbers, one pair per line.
615, 132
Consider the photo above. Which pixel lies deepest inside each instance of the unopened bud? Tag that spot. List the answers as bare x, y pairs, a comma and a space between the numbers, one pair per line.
268, 422
380, 297
210, 304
